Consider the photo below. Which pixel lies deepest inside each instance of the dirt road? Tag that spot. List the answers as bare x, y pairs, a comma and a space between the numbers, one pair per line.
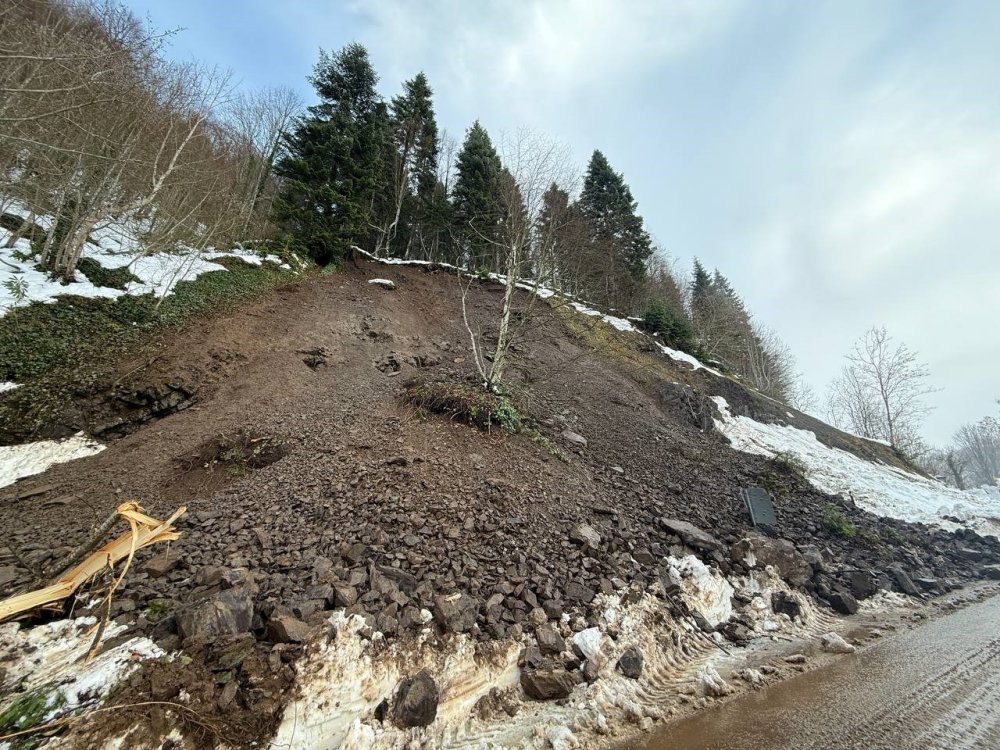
937, 686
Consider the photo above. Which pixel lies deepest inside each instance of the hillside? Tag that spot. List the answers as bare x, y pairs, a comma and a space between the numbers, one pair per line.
314, 489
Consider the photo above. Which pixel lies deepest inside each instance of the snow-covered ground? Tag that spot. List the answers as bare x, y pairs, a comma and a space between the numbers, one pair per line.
879, 488
115, 246
23, 460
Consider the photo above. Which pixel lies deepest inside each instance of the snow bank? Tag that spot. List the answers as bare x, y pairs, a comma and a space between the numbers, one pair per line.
8, 386
876, 487
18, 461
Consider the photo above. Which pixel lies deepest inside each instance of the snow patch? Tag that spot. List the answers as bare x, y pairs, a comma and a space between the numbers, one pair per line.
705, 590
8, 386
685, 357
18, 461
387, 283
879, 488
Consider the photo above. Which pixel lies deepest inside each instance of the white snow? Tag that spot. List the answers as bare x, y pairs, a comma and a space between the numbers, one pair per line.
387, 283
685, 357
116, 246
705, 590
8, 386
879, 488
23, 460
51, 656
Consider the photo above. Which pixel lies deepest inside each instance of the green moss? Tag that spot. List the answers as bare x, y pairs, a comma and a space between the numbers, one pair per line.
29, 710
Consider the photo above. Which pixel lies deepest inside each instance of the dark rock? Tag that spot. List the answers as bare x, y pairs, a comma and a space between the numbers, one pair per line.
548, 683
973, 555
416, 701
991, 572
573, 438
531, 657
783, 604
455, 613
163, 563
229, 612
577, 592
549, 640
863, 584
630, 663
843, 602
691, 534
344, 595
906, 584
590, 673
928, 584
8, 574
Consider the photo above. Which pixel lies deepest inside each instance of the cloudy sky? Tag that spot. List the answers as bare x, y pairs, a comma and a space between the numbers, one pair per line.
839, 161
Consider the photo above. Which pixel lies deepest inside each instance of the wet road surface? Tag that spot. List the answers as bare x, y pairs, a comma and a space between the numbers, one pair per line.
934, 687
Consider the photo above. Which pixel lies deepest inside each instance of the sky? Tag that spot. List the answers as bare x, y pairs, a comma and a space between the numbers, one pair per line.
838, 161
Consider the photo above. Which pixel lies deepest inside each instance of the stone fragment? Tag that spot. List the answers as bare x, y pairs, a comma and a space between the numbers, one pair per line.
574, 438
585, 536
455, 613
229, 612
690, 534
843, 602
285, 628
547, 683
161, 564
833, 643
863, 584
630, 663
549, 641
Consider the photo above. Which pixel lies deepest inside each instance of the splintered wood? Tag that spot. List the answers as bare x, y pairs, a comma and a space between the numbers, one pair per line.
143, 531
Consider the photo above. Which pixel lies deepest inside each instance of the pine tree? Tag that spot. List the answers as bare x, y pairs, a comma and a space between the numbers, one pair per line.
333, 158
607, 203
476, 197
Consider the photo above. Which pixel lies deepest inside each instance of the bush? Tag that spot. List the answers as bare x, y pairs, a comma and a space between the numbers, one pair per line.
98, 275
470, 404
837, 524
790, 464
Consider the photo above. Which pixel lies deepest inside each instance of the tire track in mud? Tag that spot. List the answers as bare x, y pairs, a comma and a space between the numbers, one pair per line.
936, 687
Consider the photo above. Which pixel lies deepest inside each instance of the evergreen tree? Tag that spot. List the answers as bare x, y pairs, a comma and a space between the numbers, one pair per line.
333, 158
476, 197
607, 203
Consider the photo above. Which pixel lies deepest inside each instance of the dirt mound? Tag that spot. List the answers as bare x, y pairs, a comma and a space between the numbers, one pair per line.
303, 464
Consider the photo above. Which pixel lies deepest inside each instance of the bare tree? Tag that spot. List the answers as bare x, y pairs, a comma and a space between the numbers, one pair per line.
880, 393
978, 445
532, 164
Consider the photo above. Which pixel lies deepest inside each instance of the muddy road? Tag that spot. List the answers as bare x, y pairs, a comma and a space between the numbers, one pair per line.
936, 686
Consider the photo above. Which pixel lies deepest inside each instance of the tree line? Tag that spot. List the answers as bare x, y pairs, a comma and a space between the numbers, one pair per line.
97, 128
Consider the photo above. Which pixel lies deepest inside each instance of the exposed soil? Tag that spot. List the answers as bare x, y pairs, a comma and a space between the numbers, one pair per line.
299, 460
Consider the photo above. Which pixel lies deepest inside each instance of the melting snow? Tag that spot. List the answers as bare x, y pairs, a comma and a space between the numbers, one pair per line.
876, 487
7, 386
18, 461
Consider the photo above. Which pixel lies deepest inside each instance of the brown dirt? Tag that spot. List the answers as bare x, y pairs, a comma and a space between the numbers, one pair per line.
316, 372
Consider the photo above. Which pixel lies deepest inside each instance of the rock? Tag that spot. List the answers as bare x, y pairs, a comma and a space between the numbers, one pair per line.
973, 555
796, 659
843, 602
8, 574
344, 595
812, 555
992, 572
163, 563
904, 581
630, 663
833, 643
287, 629
549, 641
574, 438
416, 701
757, 550
863, 584
785, 604
577, 592
228, 612
690, 534
931, 585
547, 683
455, 613
754, 678
586, 536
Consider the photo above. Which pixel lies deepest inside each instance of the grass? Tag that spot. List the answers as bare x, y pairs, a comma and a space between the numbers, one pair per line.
790, 464
65, 350
29, 710
466, 403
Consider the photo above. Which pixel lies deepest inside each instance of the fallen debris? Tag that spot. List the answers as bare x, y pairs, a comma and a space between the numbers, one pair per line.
384, 283
144, 532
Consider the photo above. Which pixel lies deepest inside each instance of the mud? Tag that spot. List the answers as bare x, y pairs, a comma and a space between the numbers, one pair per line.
934, 687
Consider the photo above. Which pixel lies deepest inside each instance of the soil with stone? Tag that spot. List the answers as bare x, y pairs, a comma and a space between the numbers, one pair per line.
312, 486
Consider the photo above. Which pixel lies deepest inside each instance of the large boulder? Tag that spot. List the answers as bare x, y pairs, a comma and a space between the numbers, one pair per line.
756, 550
863, 584
690, 534
416, 701
843, 602
455, 613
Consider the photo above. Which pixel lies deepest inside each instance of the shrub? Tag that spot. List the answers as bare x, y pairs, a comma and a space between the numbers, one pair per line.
837, 523
466, 403
98, 275
790, 464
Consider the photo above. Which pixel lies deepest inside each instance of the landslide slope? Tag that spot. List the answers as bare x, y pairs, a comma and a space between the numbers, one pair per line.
299, 459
